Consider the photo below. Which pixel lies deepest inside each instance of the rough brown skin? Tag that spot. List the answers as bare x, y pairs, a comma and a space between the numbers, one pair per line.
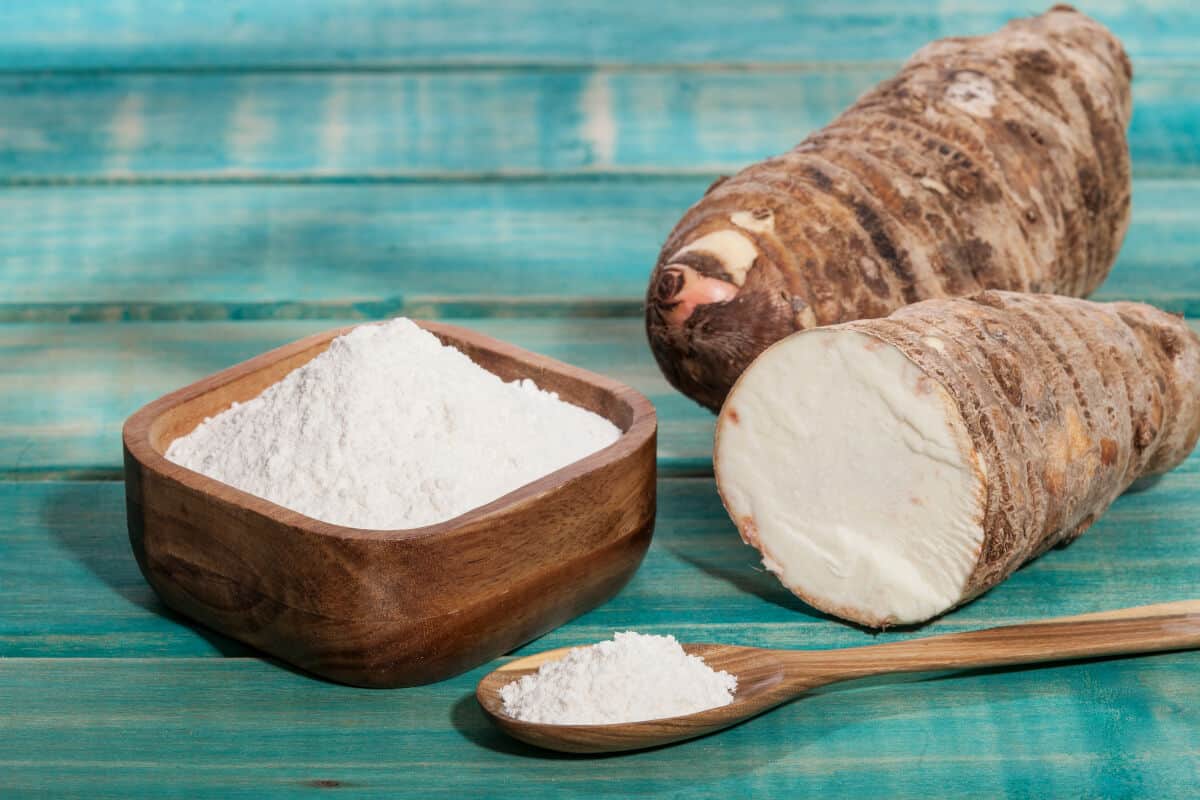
1067, 402
921, 189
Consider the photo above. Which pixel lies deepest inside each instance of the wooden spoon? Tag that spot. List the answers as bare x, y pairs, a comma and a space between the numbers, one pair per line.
767, 678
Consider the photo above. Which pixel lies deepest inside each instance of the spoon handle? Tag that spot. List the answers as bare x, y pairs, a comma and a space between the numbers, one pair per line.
1142, 629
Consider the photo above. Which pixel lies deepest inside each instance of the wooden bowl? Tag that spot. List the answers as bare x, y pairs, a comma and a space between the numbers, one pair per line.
386, 608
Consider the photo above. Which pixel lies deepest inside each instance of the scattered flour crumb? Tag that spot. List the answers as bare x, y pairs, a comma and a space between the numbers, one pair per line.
633, 677
390, 429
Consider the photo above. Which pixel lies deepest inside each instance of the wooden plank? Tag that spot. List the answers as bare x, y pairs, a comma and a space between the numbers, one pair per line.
140, 34
74, 589
374, 242
69, 388
380, 123
69, 587
241, 728
302, 250
202, 126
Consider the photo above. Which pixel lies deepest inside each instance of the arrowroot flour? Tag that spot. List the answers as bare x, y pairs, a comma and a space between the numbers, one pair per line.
389, 428
633, 677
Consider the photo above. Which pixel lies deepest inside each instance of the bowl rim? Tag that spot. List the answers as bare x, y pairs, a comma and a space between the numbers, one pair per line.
136, 436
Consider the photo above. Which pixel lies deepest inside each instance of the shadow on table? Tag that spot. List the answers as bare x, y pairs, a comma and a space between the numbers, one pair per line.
469, 720
1143, 484
728, 559
88, 525
745, 575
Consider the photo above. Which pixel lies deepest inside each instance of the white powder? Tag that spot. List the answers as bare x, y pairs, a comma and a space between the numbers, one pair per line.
633, 677
389, 429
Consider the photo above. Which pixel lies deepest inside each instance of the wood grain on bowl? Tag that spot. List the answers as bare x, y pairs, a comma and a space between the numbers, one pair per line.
386, 608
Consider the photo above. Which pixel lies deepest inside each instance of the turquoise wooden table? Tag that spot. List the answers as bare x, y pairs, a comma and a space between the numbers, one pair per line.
188, 184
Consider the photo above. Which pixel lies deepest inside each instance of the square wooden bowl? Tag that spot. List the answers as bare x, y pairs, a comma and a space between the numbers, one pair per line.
386, 608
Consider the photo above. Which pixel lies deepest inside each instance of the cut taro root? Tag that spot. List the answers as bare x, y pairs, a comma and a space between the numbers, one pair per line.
889, 470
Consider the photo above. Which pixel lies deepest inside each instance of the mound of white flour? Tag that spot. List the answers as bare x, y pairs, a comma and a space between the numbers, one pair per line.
634, 677
389, 428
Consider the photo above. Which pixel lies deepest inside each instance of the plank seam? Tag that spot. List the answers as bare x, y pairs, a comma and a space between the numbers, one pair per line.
707, 172
400, 66
489, 66
1156, 172
360, 308
369, 309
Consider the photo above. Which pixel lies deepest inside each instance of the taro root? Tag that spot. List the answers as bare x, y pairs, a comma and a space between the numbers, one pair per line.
990, 162
891, 469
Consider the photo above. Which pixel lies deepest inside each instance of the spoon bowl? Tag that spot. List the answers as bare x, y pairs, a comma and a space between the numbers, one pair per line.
768, 678
762, 685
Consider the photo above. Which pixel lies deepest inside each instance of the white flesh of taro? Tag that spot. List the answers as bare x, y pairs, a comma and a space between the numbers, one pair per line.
851, 471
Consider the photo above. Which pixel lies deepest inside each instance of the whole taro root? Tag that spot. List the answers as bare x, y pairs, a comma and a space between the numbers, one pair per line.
992, 162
